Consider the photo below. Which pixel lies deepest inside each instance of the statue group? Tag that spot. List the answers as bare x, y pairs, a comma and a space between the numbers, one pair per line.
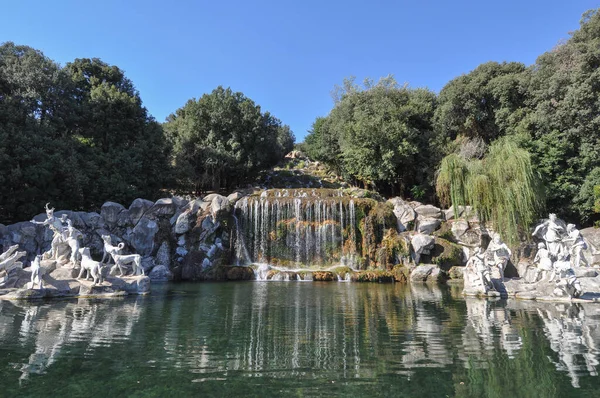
66, 250
559, 251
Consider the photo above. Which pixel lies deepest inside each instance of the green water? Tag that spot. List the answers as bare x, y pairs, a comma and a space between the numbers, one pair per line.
298, 339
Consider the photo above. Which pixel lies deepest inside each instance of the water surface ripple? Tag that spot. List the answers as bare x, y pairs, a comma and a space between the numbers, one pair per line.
302, 339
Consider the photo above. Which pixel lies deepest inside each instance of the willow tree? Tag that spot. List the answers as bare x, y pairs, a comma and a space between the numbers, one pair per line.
503, 187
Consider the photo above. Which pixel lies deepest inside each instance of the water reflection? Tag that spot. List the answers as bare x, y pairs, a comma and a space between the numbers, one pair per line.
301, 334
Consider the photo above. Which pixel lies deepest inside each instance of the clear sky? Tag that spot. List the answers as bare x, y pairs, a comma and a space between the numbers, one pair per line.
285, 55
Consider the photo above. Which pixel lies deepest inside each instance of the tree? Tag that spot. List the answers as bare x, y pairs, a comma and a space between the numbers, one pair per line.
223, 139
76, 136
488, 102
379, 135
565, 117
503, 187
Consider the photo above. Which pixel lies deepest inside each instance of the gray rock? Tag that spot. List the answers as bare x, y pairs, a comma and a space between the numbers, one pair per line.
220, 207
182, 225
164, 207
138, 208
180, 202
160, 273
209, 198
428, 211
163, 255
204, 206
425, 273
93, 220
585, 272
124, 220
459, 228
143, 236
110, 213
421, 244
404, 213
234, 197
592, 238
148, 264
428, 225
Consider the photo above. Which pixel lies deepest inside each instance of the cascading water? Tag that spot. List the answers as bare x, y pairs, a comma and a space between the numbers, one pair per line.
296, 227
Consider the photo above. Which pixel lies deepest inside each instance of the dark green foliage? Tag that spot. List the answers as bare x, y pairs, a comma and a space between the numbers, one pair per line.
223, 139
565, 121
379, 136
487, 102
74, 136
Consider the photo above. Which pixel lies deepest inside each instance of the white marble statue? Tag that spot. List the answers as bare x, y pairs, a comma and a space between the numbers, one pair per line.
64, 235
552, 231
122, 259
567, 283
37, 272
10, 259
72, 235
478, 266
90, 267
577, 246
543, 263
498, 255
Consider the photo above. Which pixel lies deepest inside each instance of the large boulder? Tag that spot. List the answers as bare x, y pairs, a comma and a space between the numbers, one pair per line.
110, 213
234, 197
421, 244
183, 223
143, 236
428, 212
164, 207
160, 273
220, 206
404, 213
592, 238
428, 225
426, 273
464, 212
138, 208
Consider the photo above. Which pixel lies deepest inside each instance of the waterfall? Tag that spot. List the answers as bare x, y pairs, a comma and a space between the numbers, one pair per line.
296, 227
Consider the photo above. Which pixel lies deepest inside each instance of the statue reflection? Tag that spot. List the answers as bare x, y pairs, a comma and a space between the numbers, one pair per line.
487, 323
574, 334
51, 328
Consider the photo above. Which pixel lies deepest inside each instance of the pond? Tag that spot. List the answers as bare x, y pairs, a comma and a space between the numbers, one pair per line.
299, 339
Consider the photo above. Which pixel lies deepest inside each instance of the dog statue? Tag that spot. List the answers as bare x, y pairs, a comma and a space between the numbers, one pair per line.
121, 259
109, 248
37, 272
91, 267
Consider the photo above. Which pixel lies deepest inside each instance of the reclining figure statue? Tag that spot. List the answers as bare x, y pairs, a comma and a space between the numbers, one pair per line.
9, 259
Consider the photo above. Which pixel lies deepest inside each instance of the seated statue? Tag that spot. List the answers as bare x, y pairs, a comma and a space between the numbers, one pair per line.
10, 259
567, 283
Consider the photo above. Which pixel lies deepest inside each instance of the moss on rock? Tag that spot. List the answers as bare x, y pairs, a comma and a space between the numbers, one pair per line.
446, 254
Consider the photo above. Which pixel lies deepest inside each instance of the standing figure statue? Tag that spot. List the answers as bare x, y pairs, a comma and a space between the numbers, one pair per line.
477, 266
63, 235
499, 253
577, 246
552, 232
544, 263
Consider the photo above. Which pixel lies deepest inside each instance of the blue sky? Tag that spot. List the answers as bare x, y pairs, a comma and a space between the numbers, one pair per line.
287, 56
